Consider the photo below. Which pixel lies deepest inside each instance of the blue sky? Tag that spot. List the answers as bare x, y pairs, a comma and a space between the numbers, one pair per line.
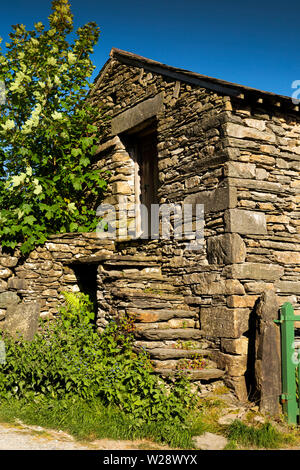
254, 43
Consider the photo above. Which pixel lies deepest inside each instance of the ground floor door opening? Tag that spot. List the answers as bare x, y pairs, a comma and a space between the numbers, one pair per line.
86, 275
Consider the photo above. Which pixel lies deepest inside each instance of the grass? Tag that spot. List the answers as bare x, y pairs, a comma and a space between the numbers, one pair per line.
240, 435
265, 436
87, 421
205, 417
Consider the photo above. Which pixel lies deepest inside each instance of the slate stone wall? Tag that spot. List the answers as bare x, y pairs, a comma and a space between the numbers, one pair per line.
39, 279
240, 160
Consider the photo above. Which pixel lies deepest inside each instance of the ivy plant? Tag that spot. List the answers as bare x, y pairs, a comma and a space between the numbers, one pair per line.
48, 131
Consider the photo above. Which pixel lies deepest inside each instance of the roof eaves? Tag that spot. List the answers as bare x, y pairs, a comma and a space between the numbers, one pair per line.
215, 84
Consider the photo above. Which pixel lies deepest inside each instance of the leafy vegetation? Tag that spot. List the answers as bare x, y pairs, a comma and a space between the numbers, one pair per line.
69, 362
196, 362
71, 378
48, 132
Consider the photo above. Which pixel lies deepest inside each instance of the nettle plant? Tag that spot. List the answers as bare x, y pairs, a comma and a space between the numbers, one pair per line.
68, 358
48, 134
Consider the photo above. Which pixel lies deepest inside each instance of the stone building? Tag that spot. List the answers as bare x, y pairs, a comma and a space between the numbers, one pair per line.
180, 139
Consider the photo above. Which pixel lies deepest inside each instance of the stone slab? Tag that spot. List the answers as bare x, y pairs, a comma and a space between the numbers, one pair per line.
7, 298
137, 114
239, 170
254, 271
214, 201
235, 346
146, 316
170, 334
268, 354
210, 441
228, 248
236, 365
245, 222
21, 320
224, 322
287, 287
176, 353
17, 284
206, 286
242, 132
193, 375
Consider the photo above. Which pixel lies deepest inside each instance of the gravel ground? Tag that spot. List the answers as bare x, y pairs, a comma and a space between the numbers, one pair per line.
22, 437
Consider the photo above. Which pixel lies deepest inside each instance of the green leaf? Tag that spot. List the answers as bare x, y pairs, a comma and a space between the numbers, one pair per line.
92, 128
76, 152
86, 142
29, 219
84, 161
77, 184
73, 226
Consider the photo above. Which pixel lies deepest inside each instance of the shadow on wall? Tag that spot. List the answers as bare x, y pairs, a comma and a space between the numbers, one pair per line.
253, 393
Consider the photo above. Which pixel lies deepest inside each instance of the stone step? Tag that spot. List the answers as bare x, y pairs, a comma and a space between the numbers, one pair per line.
144, 303
131, 276
173, 344
170, 334
163, 354
135, 258
146, 316
141, 294
192, 375
147, 286
139, 261
177, 323
183, 363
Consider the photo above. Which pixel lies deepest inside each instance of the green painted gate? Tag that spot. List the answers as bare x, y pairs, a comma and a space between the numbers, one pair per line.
290, 368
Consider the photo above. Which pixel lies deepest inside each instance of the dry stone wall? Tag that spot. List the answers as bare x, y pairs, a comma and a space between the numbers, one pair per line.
190, 149
35, 284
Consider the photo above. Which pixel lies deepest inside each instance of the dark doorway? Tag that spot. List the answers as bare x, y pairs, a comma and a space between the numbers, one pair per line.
142, 146
86, 275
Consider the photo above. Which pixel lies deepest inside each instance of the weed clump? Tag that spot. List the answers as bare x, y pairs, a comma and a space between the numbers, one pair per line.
264, 436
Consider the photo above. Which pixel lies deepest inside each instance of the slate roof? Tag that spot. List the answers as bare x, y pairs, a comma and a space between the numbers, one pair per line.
214, 84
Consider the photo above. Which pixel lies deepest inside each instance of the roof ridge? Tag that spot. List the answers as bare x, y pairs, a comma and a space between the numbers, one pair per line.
120, 54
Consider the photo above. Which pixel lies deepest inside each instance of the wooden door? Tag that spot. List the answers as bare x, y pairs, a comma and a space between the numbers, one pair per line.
142, 147
148, 173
